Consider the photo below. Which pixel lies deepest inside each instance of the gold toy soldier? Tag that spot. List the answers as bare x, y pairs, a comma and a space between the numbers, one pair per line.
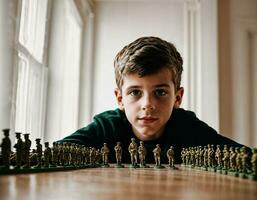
205, 156
98, 157
238, 159
105, 151
245, 158
19, 150
187, 156
55, 154
47, 154
133, 152
73, 154
92, 156
60, 154
192, 156
142, 154
27, 145
118, 154
200, 156
39, 153
254, 161
218, 156
6, 148
225, 157
170, 156
157, 156
232, 159
183, 156
66, 154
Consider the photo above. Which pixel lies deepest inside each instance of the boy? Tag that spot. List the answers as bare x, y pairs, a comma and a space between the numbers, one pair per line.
148, 75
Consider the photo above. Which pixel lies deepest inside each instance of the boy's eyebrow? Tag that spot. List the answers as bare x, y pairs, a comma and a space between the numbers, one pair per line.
162, 85
137, 86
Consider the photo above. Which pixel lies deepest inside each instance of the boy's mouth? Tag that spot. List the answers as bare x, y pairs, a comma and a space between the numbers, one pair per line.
147, 120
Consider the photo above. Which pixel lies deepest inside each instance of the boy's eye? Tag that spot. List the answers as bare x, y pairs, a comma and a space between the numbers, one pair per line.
135, 93
160, 92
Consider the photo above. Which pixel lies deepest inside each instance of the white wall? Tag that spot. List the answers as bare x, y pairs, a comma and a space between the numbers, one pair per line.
7, 34
120, 22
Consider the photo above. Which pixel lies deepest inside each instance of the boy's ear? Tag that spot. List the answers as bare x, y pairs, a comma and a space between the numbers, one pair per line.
179, 97
118, 96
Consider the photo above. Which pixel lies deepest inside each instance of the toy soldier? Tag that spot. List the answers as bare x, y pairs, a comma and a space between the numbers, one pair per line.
238, 159
118, 154
47, 154
133, 152
245, 159
60, 154
183, 156
157, 156
55, 154
142, 154
192, 156
73, 154
205, 157
33, 157
66, 154
6, 148
254, 161
170, 156
39, 153
79, 155
105, 151
200, 156
187, 156
87, 158
98, 157
92, 156
27, 145
232, 159
19, 150
218, 157
225, 158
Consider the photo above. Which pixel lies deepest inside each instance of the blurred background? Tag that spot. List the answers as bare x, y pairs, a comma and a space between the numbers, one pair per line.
56, 60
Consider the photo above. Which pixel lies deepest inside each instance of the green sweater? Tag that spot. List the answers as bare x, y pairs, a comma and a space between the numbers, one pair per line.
183, 129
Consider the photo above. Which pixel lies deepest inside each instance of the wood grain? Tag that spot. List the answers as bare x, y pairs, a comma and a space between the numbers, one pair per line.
126, 183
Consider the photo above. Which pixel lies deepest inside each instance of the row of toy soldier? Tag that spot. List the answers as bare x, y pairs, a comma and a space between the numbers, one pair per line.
235, 159
71, 154
140, 151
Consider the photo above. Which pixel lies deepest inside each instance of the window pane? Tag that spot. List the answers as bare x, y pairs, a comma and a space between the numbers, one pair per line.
32, 27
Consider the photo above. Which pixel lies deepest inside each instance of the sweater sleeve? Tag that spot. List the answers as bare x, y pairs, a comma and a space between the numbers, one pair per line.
89, 136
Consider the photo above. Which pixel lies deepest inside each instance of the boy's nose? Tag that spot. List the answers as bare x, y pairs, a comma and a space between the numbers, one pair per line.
148, 103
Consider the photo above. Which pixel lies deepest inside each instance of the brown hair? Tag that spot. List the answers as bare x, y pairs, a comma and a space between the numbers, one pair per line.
148, 55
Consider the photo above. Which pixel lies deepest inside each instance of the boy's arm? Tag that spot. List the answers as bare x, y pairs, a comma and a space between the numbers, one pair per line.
88, 136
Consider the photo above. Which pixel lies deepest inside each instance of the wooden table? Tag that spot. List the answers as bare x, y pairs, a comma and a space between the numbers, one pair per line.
126, 183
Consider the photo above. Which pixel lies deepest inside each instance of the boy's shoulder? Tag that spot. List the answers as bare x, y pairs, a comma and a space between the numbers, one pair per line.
110, 114
182, 114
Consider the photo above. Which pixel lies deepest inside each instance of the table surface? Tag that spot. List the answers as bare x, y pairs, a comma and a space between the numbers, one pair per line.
126, 183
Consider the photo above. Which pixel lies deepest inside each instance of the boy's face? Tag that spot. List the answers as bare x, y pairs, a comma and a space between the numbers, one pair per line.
148, 102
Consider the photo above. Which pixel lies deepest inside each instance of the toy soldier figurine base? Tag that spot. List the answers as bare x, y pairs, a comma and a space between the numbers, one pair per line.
105, 151
142, 155
157, 157
6, 149
118, 155
19, 150
170, 156
133, 152
27, 145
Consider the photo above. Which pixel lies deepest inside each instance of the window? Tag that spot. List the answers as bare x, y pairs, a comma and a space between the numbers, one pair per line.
31, 68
